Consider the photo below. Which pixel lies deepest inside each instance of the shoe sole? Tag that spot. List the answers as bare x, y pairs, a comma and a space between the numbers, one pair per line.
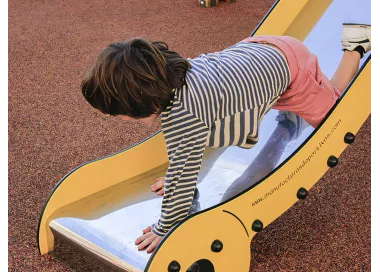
357, 25
360, 42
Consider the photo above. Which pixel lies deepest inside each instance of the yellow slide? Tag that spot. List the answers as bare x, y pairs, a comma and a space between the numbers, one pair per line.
98, 204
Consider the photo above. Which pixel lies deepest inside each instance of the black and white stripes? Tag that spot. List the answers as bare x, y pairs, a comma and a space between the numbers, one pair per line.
222, 104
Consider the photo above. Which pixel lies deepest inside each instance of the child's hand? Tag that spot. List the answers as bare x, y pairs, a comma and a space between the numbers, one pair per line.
159, 186
148, 239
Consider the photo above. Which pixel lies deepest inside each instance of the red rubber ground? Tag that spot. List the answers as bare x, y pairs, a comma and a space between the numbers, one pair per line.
52, 129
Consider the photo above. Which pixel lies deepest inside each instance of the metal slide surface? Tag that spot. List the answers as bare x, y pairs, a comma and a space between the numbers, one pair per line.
116, 232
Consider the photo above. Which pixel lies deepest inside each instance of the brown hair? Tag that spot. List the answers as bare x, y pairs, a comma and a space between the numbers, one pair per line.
134, 78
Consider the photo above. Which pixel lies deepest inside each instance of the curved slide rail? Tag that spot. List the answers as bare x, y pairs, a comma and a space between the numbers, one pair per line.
104, 186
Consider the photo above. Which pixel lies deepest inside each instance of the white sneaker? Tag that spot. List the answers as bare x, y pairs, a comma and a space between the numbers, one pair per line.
354, 35
293, 122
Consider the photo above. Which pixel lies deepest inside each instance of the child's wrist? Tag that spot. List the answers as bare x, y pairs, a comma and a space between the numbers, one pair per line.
157, 231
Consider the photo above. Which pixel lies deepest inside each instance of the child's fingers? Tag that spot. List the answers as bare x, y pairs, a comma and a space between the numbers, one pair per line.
153, 245
147, 242
158, 185
154, 184
155, 187
160, 179
144, 237
148, 229
161, 192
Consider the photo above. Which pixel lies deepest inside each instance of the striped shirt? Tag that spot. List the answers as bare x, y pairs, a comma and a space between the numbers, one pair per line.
225, 97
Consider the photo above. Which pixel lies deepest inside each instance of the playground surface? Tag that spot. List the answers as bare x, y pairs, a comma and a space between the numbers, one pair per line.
52, 130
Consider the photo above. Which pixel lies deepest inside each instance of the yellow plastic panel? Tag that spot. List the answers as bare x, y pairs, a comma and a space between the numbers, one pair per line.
192, 239
87, 189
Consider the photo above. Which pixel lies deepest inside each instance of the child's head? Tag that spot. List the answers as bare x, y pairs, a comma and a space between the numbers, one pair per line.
134, 78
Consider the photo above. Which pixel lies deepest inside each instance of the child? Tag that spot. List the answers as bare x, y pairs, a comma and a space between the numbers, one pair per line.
215, 100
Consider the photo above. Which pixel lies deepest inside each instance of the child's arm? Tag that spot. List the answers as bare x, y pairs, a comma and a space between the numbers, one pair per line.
186, 140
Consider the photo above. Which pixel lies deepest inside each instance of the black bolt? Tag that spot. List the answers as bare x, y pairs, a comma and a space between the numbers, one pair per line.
217, 246
174, 267
302, 193
332, 161
257, 225
349, 138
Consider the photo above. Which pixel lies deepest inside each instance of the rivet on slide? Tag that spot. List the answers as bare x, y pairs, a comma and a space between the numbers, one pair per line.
257, 225
217, 246
174, 267
302, 193
349, 138
332, 161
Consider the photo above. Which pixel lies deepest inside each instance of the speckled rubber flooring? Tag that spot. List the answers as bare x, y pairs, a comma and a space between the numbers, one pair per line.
52, 129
